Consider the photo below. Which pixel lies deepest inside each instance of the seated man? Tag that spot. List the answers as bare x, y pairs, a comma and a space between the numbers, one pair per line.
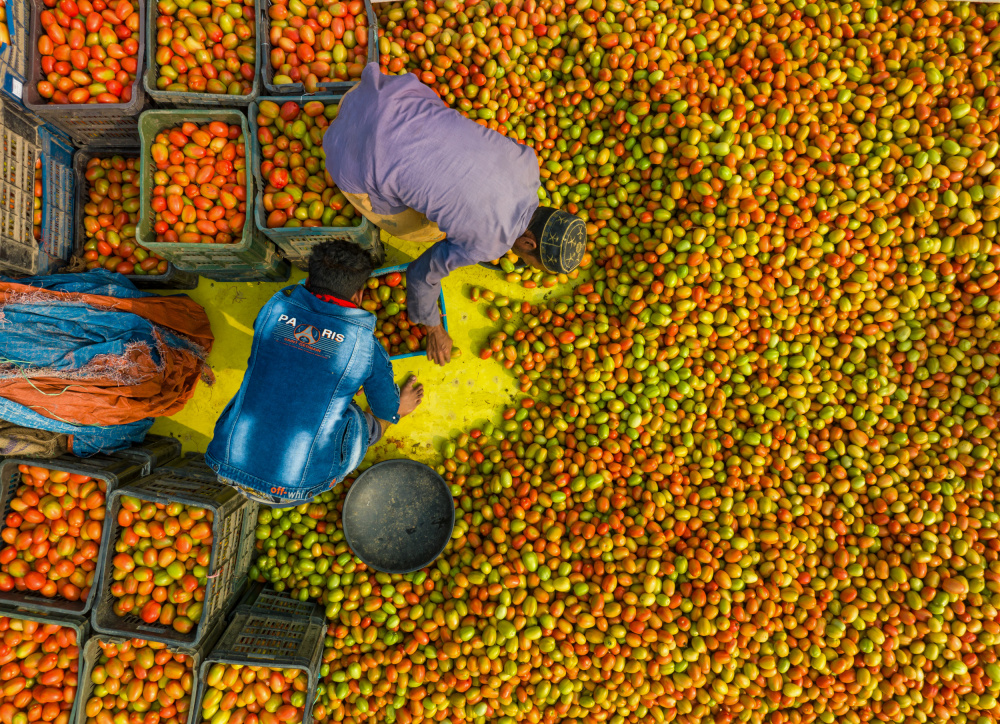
293, 430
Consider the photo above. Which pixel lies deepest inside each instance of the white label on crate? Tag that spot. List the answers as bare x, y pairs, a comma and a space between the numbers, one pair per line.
16, 86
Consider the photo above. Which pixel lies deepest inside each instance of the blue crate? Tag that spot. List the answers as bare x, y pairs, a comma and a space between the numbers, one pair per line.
58, 197
14, 56
401, 268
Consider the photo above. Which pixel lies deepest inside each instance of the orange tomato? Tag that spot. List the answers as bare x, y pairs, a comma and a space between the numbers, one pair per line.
54, 516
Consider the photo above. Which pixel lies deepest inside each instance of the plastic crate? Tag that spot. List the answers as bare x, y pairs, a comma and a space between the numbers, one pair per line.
82, 628
252, 258
277, 643
181, 99
274, 268
174, 278
88, 124
91, 654
153, 452
58, 200
262, 600
228, 566
401, 268
193, 465
284, 89
114, 471
20, 147
14, 55
190, 465
297, 243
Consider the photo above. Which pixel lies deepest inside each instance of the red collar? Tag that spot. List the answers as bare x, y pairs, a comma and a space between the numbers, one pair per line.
335, 300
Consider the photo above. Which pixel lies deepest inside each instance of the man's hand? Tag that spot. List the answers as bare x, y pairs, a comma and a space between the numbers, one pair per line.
410, 396
438, 345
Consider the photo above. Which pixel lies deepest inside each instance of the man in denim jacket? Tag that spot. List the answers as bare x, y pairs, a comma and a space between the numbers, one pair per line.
293, 430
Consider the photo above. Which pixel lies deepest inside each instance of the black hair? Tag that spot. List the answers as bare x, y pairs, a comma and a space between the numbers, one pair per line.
538, 220
339, 268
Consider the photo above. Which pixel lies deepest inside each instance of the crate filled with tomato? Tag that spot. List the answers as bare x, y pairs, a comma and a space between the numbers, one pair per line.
82, 77
134, 681
36, 213
40, 665
202, 53
177, 560
196, 195
53, 531
236, 688
314, 47
298, 205
385, 297
107, 215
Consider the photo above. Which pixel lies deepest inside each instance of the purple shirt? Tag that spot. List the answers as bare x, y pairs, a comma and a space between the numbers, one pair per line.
395, 140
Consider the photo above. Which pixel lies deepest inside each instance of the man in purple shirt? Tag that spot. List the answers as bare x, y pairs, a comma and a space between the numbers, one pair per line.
425, 173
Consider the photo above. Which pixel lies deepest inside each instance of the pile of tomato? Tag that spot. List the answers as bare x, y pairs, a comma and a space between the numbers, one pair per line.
160, 563
200, 184
52, 534
238, 694
386, 298
39, 670
752, 472
140, 682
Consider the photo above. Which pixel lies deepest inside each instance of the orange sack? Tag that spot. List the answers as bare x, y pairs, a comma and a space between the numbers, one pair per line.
118, 389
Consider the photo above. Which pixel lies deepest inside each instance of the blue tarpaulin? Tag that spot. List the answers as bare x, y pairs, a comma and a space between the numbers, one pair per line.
70, 340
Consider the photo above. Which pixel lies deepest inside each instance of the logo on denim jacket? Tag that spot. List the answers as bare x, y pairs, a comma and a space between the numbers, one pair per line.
307, 333
307, 337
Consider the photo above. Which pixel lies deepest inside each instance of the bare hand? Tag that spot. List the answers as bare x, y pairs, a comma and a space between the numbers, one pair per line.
438, 345
410, 396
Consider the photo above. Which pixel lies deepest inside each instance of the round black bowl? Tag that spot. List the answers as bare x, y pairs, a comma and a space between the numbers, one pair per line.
398, 516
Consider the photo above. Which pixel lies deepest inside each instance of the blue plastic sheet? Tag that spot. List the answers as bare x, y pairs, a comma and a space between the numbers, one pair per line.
66, 337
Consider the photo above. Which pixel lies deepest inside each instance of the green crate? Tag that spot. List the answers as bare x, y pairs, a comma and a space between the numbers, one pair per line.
274, 268
253, 256
297, 243
181, 99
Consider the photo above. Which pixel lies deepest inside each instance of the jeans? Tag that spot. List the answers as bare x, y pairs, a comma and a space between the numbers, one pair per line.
275, 501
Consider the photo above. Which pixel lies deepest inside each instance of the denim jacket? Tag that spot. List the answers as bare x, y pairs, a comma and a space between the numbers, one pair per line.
293, 430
